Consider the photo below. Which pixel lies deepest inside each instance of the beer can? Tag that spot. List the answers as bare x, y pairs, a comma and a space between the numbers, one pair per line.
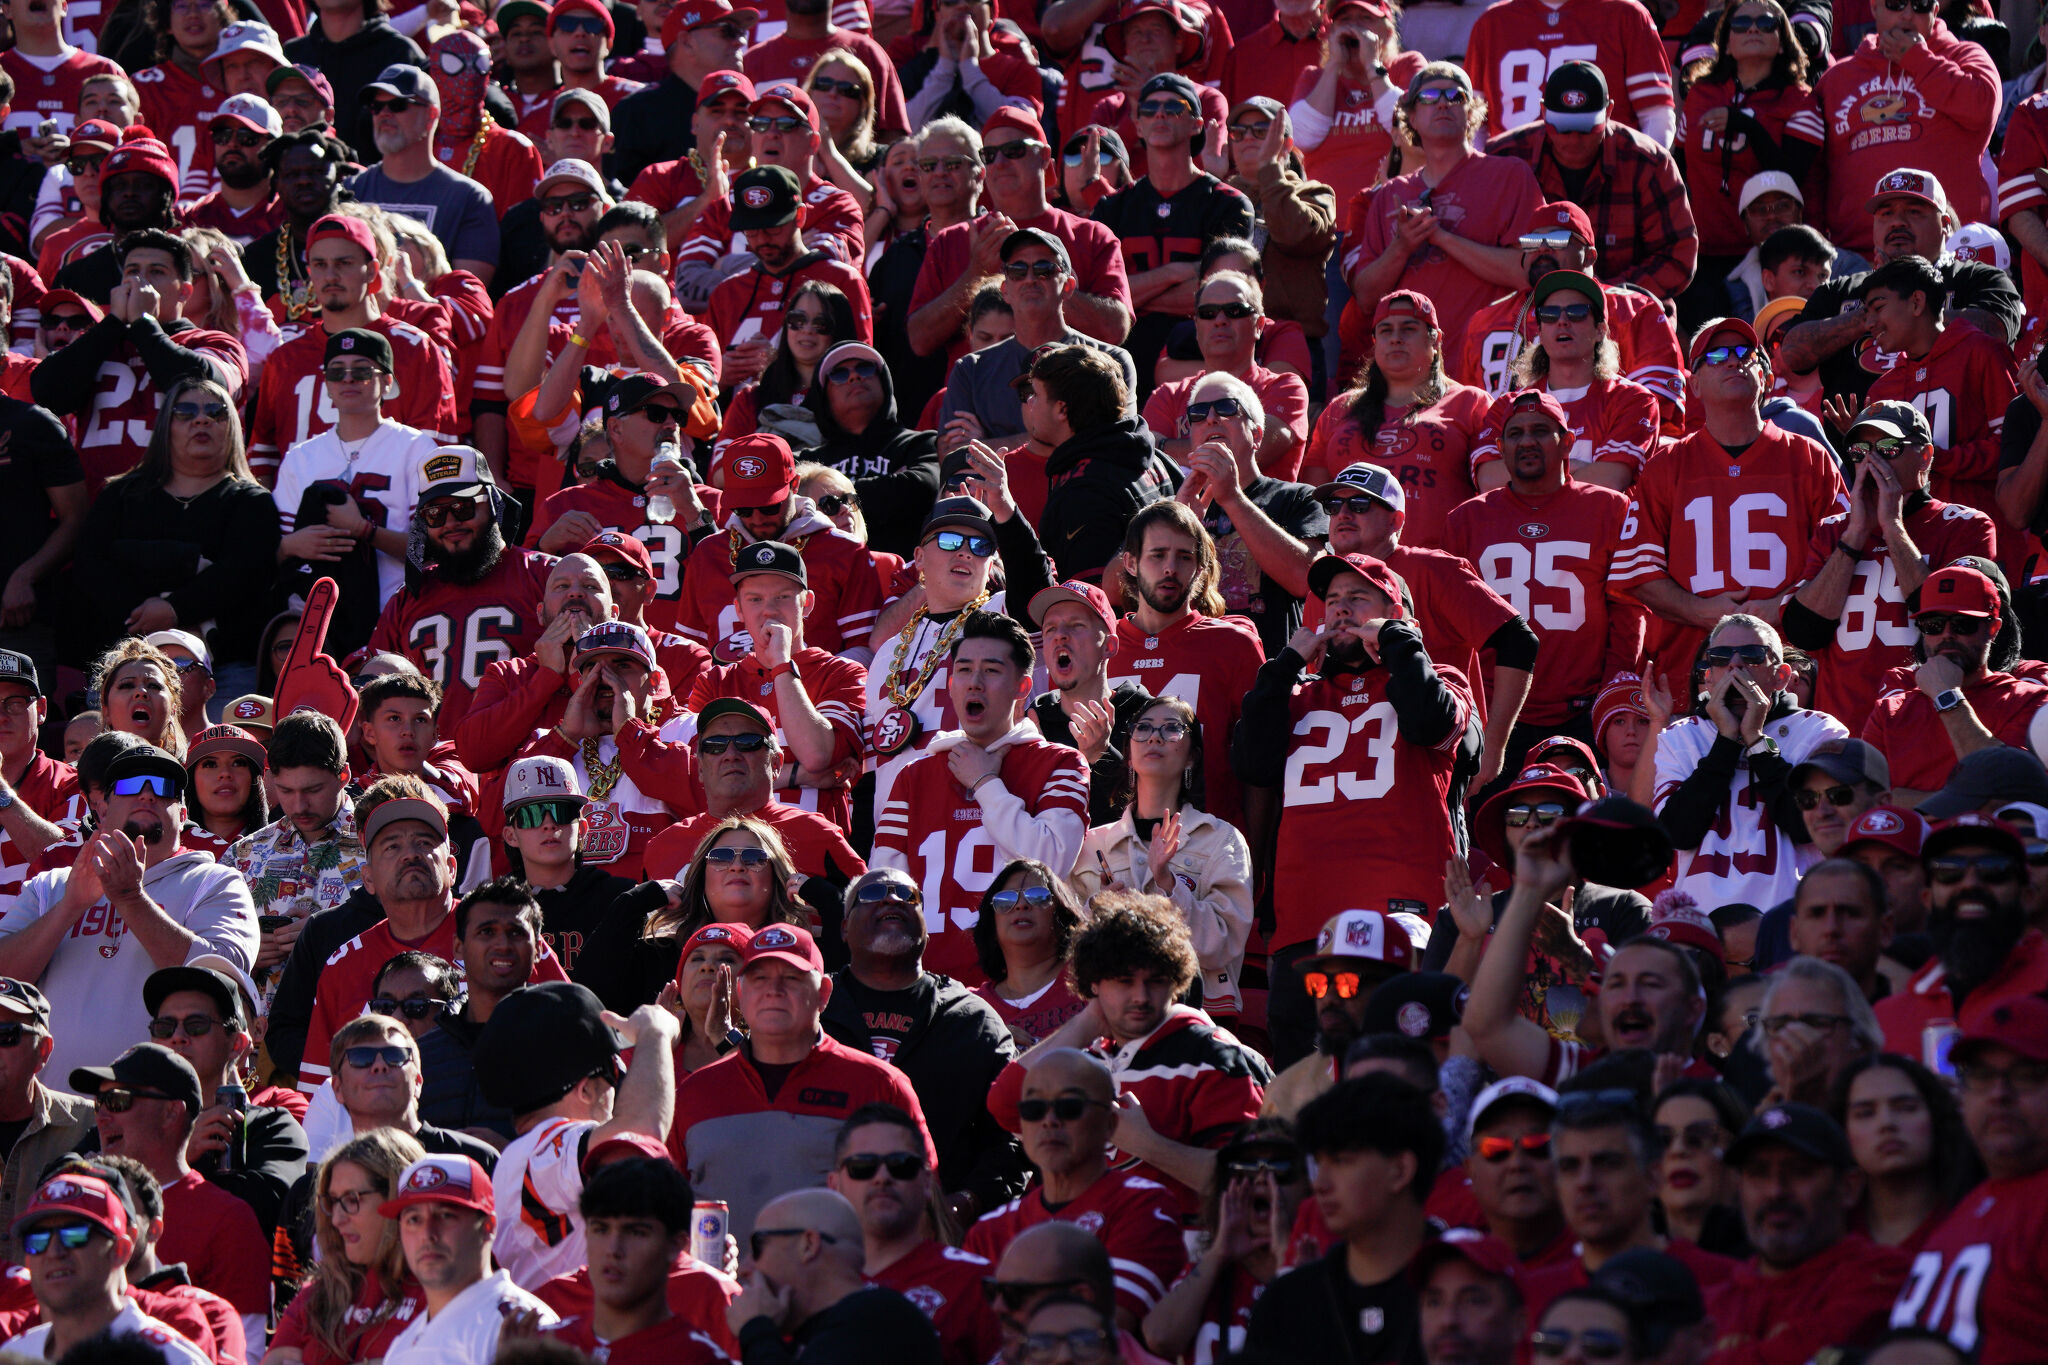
708, 1220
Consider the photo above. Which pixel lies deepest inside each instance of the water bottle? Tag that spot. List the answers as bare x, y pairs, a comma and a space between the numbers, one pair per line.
237, 1099
661, 509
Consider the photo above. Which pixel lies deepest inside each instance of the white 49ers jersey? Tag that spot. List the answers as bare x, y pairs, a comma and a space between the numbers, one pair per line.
899, 666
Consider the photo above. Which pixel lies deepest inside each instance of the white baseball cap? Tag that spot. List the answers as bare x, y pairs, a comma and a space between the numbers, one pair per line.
185, 640
1767, 182
540, 779
582, 172
1979, 242
252, 112
1508, 1088
247, 36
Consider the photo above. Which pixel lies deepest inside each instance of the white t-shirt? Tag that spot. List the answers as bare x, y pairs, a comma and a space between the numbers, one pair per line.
129, 1322
465, 1332
544, 1163
385, 472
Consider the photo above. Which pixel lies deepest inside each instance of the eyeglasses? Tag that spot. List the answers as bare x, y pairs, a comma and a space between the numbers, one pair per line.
1595, 1343
746, 744
1543, 815
580, 23
1889, 448
806, 322
1345, 985
185, 412
763, 1234
1250, 132
1705, 1135
1019, 270
624, 573
1834, 796
164, 1027
71, 1237
1067, 1108
932, 165
1944, 623
1775, 1024
156, 784
832, 504
350, 374
1010, 151
1214, 407
851, 370
416, 1009
1919, 6
981, 547
1564, 312
1037, 897
1356, 506
1014, 1294
1721, 355
1164, 108
1499, 1149
86, 165
385, 106
748, 858
579, 125
1992, 869
2025, 1078
537, 813
438, 513
776, 123
1440, 94
1209, 312
1164, 731
119, 1099
900, 1165
557, 205
1726, 656
1082, 1344
1761, 23
241, 137
1284, 1169
826, 85
884, 889
352, 1202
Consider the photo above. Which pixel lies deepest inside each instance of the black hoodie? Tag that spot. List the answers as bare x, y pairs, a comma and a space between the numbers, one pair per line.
1097, 480
351, 64
894, 470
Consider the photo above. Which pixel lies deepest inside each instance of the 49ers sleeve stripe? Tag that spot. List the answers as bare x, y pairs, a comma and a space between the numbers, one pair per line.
1135, 1280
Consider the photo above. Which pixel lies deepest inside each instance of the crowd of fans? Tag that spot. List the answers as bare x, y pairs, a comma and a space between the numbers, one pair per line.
980, 681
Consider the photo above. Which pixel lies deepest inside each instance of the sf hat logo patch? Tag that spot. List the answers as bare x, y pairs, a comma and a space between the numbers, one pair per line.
751, 466
776, 937
426, 1178
1573, 99
756, 197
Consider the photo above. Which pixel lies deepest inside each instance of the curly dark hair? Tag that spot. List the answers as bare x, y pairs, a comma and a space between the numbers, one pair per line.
1068, 917
1133, 933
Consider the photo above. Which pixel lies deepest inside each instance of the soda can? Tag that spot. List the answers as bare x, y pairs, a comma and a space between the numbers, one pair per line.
708, 1220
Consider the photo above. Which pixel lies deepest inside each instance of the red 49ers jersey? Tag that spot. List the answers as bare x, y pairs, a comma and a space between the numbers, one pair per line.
292, 403
1650, 355
849, 596
838, 690
932, 827
749, 306
2026, 147
1348, 769
51, 92
832, 224
898, 664
1875, 633
1428, 449
1137, 1220
509, 165
1614, 421
454, 631
179, 107
672, 1341
50, 789
1548, 557
126, 401
1713, 523
945, 1283
1982, 1276
1209, 663
1516, 44
1963, 386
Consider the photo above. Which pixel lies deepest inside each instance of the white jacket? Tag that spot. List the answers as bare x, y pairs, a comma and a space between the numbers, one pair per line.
1212, 888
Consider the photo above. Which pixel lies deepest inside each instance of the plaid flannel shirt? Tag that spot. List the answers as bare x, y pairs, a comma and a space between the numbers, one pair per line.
1636, 199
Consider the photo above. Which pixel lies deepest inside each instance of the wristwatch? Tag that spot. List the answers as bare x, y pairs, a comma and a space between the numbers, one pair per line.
1948, 700
6, 796
1763, 746
732, 1039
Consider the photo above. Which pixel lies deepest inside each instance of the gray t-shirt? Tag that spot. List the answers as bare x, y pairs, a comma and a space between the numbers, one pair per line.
980, 384
452, 206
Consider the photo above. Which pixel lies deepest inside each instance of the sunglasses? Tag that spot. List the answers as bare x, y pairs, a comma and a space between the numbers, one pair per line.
806, 322
1164, 108
71, 1236
1918, 6
662, 414
85, 165
1209, 312
1725, 656
11, 1033
776, 123
156, 784
1166, 731
900, 1165
1250, 132
1552, 237
932, 165
438, 513
761, 1235
1889, 448
386, 106
826, 85
1564, 312
1543, 816
623, 573
1020, 270
217, 412
893, 892
538, 813
1322, 984
1214, 407
746, 744
1703, 1136
69, 321
1284, 1170
981, 547
415, 1009
1945, 623
1014, 1294
119, 1100
363, 1058
1721, 355
580, 23
1595, 1343
1499, 1149
748, 858
1010, 151
580, 125
851, 370
247, 138
832, 504
1834, 796
164, 1026
1037, 897
352, 1202
1759, 23
1067, 1108
1439, 94
1992, 869
1356, 506
560, 204
350, 374
1083, 1344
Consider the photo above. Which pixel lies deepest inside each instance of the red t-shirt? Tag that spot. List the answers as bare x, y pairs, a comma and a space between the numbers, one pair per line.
1516, 44
1719, 169
1963, 386
292, 405
1091, 247
453, 631
672, 1341
697, 1293
218, 1238
1981, 1276
1137, 1220
1841, 1297
1209, 663
1919, 1020
179, 107
372, 1323
1906, 729
2026, 147
848, 597
509, 165
786, 57
837, 688
1428, 449
1612, 421
1283, 394
945, 1283
1353, 155
816, 845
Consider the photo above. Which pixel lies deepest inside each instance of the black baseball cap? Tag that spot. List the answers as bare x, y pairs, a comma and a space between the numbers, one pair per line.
1999, 773
145, 761
163, 984
406, 82
771, 556
1801, 1127
1024, 237
765, 197
1173, 83
968, 514
1425, 1005
1659, 1287
16, 667
633, 393
146, 1066
1109, 144
360, 341
1575, 98
542, 1041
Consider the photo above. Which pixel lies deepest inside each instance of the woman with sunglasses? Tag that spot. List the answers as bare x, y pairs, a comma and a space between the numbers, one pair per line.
895, 468
1248, 1213
1024, 938
843, 89
140, 693
191, 502
360, 1295
224, 770
1342, 106
819, 317
1166, 844
1694, 1120
1750, 110
701, 995
1906, 1132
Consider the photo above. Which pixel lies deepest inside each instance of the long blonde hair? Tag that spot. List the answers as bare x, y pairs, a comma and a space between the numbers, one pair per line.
694, 913
133, 649
220, 300
382, 1153
861, 145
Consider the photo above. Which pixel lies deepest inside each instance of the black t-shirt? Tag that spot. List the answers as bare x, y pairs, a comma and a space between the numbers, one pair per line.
1157, 231
1318, 1312
891, 1016
1246, 589
10, 1133
1972, 284
36, 457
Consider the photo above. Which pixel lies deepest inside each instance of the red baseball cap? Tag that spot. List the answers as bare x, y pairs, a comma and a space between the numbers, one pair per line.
79, 1196
1521, 400
789, 943
1182, 17
1551, 217
562, 7
787, 93
1012, 116
696, 14
2018, 1022
1374, 571
96, 134
725, 83
1489, 826
456, 1180
624, 1147
53, 297
1960, 591
1074, 590
760, 469
620, 546
1703, 341
734, 936
1903, 831
1409, 303
348, 229
1489, 1255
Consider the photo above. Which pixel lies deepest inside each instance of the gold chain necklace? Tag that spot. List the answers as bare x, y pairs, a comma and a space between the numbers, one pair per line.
476, 147
940, 648
297, 298
603, 776
733, 537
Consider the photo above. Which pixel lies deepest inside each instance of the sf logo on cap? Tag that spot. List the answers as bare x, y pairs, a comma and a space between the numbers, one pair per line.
1883, 822
777, 937
717, 934
1573, 99
756, 197
1531, 774
1775, 1118
426, 1178
61, 1189
247, 710
752, 466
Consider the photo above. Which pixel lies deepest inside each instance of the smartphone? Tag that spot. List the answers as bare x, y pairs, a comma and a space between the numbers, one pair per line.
270, 924
47, 128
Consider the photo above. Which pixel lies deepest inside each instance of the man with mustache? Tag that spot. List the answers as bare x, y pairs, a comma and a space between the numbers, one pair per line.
244, 203
134, 901
1959, 703
946, 1039
1984, 952
1812, 1283
520, 695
